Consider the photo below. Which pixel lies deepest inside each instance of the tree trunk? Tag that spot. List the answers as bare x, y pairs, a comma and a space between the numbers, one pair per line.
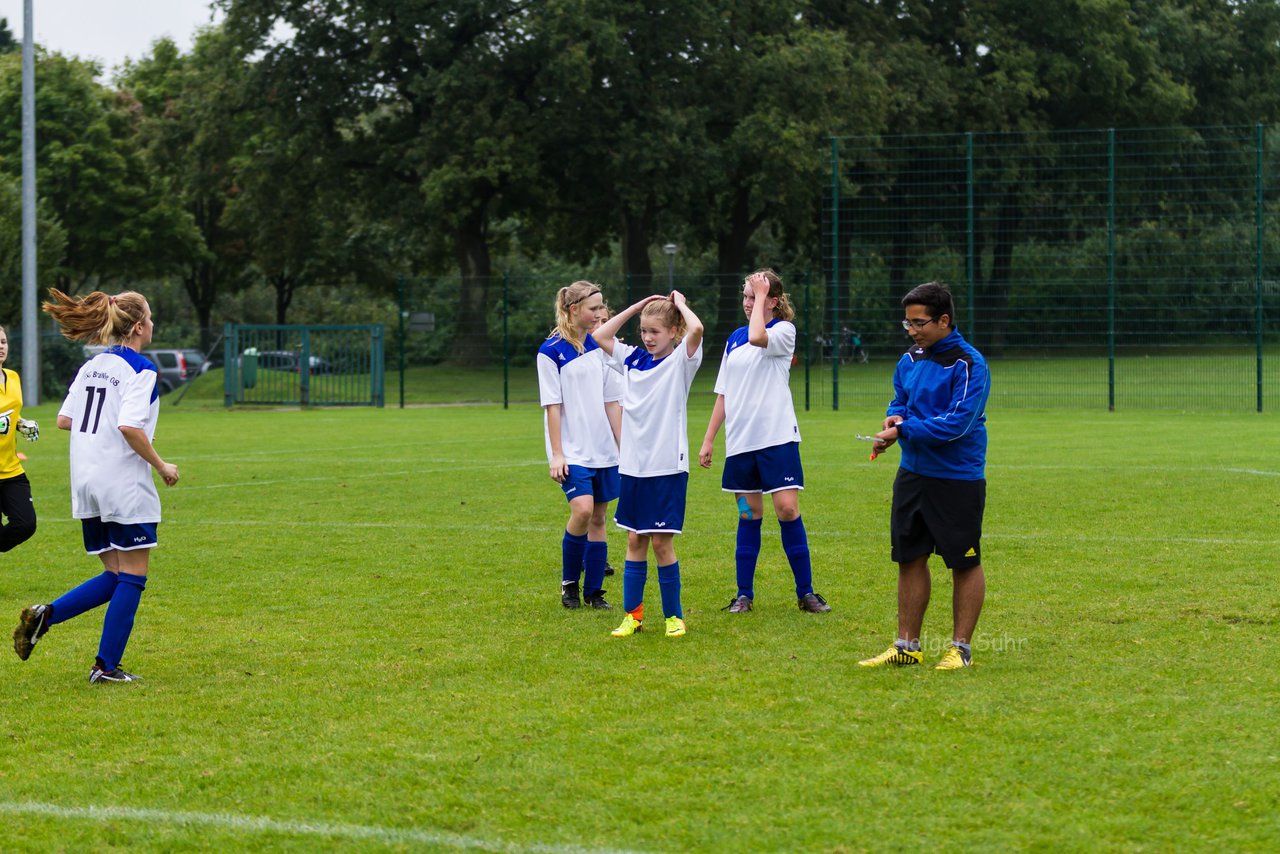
284, 286
637, 269
731, 262
201, 281
993, 316
471, 332
200, 288
900, 251
635, 246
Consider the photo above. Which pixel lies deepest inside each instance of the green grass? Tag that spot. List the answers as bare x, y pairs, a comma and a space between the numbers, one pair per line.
352, 641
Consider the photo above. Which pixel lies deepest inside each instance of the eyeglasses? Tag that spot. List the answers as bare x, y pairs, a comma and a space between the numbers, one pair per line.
918, 324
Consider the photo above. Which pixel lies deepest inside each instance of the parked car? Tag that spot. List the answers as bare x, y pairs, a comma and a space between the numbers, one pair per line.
197, 363
288, 360
175, 367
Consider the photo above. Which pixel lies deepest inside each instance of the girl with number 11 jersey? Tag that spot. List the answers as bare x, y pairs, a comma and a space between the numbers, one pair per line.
110, 411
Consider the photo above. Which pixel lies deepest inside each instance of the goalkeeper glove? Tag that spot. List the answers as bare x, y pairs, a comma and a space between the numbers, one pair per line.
30, 429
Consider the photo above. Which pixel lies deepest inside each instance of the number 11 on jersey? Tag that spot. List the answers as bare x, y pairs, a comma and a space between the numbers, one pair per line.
90, 411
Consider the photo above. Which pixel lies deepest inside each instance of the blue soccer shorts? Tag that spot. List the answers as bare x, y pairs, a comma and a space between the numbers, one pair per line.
100, 536
765, 470
652, 505
600, 484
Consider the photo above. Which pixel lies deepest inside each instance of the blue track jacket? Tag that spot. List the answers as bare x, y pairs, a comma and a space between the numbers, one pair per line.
941, 393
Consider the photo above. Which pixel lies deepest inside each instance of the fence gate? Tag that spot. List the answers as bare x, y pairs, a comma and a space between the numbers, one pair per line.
304, 365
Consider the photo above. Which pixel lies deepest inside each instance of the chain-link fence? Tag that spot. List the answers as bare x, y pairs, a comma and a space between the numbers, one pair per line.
1107, 268
521, 315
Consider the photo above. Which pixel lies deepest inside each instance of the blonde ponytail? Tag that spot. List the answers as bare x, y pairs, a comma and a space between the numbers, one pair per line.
97, 318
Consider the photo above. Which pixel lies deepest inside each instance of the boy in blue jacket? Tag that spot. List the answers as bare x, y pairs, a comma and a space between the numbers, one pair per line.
938, 417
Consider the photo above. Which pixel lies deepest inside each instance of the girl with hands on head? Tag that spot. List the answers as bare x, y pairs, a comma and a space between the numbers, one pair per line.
762, 438
654, 458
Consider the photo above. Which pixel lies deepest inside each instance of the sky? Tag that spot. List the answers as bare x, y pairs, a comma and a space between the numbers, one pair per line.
108, 30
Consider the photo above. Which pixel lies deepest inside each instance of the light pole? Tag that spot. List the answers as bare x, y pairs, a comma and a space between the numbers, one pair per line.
30, 311
670, 250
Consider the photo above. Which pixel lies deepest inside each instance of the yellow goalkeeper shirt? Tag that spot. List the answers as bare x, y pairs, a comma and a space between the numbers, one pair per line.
10, 411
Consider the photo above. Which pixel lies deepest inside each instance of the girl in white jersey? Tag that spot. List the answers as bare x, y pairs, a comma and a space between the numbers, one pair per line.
654, 460
111, 410
576, 391
762, 438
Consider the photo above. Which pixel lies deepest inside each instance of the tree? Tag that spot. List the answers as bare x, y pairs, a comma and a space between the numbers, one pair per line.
119, 223
8, 44
194, 120
284, 208
1227, 54
435, 98
623, 126
773, 87
51, 242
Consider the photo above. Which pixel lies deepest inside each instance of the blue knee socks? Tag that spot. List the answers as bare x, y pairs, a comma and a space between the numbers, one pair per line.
118, 623
796, 544
746, 555
634, 574
594, 560
572, 548
89, 595
669, 585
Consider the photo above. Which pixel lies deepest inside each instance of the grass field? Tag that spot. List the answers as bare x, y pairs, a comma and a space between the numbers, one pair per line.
352, 641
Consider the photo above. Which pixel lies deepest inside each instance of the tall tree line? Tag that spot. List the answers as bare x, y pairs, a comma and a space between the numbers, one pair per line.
342, 142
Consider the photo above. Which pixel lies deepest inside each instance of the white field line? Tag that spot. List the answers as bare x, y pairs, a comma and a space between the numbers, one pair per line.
331, 478
552, 530
261, 824
337, 451
1122, 470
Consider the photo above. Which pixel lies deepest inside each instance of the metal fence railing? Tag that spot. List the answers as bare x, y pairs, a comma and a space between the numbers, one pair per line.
304, 365
1110, 268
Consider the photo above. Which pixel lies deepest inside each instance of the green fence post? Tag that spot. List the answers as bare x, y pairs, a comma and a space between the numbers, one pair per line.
304, 368
1111, 269
376, 366
808, 342
970, 225
230, 363
402, 312
506, 360
835, 272
1257, 268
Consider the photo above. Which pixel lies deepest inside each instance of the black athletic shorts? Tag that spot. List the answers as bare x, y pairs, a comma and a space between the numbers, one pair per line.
932, 514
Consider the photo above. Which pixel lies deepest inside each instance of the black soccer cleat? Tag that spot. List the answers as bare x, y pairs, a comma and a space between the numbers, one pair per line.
813, 604
99, 676
569, 594
32, 625
596, 600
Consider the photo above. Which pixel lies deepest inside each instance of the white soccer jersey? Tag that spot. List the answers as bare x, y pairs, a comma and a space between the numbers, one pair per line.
581, 385
114, 389
655, 404
755, 382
